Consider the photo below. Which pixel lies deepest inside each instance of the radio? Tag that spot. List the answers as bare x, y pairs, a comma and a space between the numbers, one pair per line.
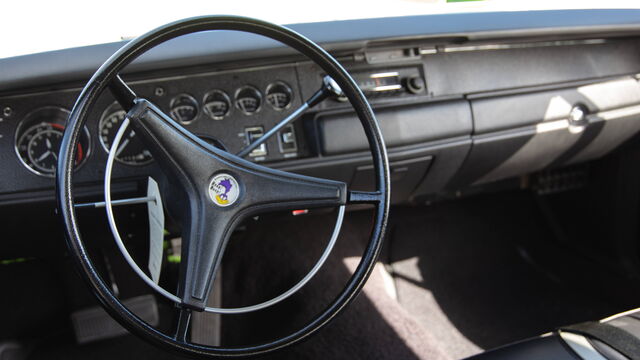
390, 82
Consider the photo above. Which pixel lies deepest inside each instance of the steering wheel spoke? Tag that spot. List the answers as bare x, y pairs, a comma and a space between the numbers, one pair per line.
182, 325
122, 93
179, 152
270, 190
365, 197
204, 239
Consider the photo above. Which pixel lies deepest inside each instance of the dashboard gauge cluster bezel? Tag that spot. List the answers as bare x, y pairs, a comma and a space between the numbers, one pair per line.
229, 132
42, 116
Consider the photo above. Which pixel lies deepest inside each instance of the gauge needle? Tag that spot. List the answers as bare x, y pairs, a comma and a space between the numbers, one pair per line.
122, 146
44, 156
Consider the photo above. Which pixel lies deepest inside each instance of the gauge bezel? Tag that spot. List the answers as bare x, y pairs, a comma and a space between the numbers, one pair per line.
225, 95
191, 98
25, 122
286, 86
110, 110
260, 98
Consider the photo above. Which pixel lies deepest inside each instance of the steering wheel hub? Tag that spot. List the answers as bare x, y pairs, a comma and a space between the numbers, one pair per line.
224, 190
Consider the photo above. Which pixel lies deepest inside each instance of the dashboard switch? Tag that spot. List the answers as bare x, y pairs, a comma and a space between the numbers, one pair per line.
252, 134
287, 140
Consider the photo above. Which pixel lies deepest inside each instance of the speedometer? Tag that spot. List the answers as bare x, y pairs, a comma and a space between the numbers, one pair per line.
131, 151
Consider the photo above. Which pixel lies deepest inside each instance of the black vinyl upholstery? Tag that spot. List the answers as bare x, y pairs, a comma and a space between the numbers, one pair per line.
546, 347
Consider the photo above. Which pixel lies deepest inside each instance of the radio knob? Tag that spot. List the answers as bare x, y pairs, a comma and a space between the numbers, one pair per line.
415, 84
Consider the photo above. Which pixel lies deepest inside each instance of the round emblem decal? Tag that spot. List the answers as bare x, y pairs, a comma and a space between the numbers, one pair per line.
224, 190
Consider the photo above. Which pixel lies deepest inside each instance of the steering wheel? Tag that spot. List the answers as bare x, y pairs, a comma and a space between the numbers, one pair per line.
220, 189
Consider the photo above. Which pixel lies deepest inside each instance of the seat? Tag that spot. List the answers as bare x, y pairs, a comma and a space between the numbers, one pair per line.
613, 338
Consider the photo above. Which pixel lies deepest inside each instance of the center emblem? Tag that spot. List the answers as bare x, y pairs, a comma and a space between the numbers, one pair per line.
224, 190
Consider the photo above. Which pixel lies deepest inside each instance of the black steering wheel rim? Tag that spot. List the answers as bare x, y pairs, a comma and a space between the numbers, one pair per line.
109, 71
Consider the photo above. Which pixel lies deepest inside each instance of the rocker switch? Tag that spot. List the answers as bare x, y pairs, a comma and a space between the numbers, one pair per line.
287, 140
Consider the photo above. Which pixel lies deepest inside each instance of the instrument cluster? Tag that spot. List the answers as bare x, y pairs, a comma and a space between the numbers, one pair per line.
38, 134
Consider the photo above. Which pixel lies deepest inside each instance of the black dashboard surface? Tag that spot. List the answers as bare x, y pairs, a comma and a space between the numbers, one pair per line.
70, 65
486, 82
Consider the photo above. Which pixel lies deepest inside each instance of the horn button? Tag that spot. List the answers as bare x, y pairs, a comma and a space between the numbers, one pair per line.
224, 190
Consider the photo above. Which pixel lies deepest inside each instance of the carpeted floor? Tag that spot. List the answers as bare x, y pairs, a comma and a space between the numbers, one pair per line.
458, 277
486, 271
375, 326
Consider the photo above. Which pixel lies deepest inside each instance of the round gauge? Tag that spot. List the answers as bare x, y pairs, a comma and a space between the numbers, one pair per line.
131, 150
42, 147
38, 140
279, 95
184, 108
248, 99
217, 104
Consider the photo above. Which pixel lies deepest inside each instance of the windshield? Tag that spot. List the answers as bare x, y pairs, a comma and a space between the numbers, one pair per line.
31, 27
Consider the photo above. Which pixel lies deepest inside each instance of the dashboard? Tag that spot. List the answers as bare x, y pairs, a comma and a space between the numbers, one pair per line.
457, 109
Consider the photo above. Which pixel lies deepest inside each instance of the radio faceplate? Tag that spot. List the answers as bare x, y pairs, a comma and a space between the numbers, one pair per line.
393, 81
382, 85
